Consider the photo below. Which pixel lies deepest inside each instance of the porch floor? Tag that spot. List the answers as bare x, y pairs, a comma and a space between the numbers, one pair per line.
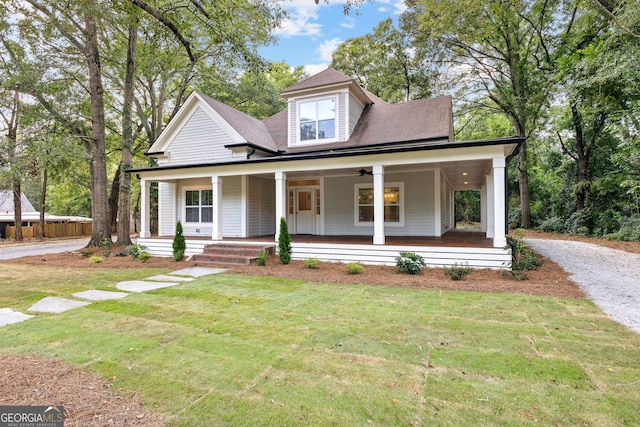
453, 238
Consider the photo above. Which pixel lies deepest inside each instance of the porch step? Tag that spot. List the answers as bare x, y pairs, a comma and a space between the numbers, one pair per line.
232, 253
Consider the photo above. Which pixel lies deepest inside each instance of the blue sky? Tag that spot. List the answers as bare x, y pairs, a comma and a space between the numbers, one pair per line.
311, 32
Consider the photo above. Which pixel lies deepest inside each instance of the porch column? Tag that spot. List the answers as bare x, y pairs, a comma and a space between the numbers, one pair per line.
490, 207
483, 208
378, 205
216, 184
281, 199
437, 188
499, 195
144, 208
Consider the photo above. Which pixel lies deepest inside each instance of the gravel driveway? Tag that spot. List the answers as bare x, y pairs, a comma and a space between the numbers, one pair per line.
29, 249
610, 277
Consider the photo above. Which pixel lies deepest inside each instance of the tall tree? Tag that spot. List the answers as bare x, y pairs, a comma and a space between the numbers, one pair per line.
500, 50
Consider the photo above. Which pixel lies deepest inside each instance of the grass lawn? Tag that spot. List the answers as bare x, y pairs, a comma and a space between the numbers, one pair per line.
249, 351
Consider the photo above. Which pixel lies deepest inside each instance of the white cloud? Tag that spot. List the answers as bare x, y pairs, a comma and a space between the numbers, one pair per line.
399, 6
315, 68
327, 48
348, 22
301, 21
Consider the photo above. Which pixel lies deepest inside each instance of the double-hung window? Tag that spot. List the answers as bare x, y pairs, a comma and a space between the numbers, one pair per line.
393, 204
317, 120
199, 206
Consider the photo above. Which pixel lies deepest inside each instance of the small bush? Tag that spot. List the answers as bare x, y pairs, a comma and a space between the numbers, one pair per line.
262, 258
523, 259
86, 252
410, 263
179, 244
143, 257
96, 259
284, 243
137, 250
353, 268
554, 225
311, 263
458, 271
105, 242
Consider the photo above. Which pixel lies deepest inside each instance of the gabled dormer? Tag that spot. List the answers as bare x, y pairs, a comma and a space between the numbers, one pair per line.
323, 109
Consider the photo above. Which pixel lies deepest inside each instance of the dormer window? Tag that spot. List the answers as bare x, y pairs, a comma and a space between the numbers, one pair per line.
317, 120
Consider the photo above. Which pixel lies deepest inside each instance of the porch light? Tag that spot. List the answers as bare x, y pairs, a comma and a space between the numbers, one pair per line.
464, 174
466, 182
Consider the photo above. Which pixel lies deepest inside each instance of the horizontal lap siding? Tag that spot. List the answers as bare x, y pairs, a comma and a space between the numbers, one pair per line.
419, 219
166, 209
355, 110
261, 207
232, 206
201, 140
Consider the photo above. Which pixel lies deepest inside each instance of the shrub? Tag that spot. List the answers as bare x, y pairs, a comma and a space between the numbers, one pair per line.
96, 259
86, 252
143, 257
262, 258
629, 230
137, 250
554, 224
410, 263
458, 271
311, 263
179, 244
523, 258
353, 268
284, 243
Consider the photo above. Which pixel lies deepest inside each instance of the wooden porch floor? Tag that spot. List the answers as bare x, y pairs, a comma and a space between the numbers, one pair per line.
454, 238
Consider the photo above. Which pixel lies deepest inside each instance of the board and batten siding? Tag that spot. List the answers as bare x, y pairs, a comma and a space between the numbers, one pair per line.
201, 140
261, 215
419, 220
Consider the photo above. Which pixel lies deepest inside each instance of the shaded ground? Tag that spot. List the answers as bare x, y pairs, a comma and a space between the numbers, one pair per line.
87, 399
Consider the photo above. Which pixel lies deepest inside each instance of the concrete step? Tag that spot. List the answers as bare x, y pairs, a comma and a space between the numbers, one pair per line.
232, 253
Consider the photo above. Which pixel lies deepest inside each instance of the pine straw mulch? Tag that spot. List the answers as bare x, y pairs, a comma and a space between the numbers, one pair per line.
87, 398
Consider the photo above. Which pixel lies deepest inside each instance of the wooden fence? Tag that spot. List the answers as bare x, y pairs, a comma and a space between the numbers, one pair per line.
64, 229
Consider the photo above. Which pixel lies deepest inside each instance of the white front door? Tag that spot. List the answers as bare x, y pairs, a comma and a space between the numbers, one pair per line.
305, 213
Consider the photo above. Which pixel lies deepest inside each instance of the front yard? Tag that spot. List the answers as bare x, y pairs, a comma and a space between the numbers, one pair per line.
243, 350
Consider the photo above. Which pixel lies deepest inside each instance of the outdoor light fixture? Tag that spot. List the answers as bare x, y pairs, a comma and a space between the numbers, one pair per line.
364, 172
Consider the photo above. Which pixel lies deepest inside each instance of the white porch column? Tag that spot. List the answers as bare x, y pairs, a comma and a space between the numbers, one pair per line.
145, 204
378, 205
216, 184
490, 207
281, 199
499, 195
483, 208
437, 197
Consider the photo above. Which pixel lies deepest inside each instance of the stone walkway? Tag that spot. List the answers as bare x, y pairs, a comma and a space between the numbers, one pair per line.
60, 305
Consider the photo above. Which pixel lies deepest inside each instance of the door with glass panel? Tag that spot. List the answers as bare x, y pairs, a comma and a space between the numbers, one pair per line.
304, 210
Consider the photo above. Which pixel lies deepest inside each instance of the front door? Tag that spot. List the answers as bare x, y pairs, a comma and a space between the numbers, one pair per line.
304, 211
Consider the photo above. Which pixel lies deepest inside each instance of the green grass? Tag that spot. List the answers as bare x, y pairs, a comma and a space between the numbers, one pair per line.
243, 351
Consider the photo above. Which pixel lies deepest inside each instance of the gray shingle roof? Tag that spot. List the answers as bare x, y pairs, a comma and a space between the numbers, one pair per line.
6, 202
323, 78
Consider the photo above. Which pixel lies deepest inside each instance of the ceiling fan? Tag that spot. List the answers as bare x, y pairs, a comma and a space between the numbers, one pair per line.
364, 172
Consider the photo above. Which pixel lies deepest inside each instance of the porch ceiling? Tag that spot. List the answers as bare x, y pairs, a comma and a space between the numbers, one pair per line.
462, 175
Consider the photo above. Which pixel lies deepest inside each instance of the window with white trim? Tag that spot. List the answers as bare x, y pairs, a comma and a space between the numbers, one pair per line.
318, 121
198, 206
393, 204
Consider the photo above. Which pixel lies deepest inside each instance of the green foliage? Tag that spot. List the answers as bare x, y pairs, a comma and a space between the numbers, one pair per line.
284, 243
138, 251
629, 230
458, 271
262, 258
410, 263
311, 263
96, 259
354, 268
179, 244
523, 258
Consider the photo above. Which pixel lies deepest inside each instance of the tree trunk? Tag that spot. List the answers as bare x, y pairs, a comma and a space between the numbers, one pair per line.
114, 195
124, 213
17, 209
43, 199
584, 179
101, 229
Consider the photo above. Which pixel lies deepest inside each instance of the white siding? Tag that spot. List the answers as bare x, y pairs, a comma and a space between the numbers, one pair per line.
342, 117
201, 140
339, 212
293, 124
166, 209
261, 207
355, 111
232, 206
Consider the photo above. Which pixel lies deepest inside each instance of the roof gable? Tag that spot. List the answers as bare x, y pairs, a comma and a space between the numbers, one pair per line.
6, 202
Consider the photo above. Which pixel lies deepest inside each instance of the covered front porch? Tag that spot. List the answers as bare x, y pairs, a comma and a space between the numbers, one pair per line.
461, 247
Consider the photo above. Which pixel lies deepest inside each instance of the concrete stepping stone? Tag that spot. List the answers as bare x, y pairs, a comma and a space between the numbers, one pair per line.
56, 305
141, 286
198, 271
168, 278
8, 316
96, 295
